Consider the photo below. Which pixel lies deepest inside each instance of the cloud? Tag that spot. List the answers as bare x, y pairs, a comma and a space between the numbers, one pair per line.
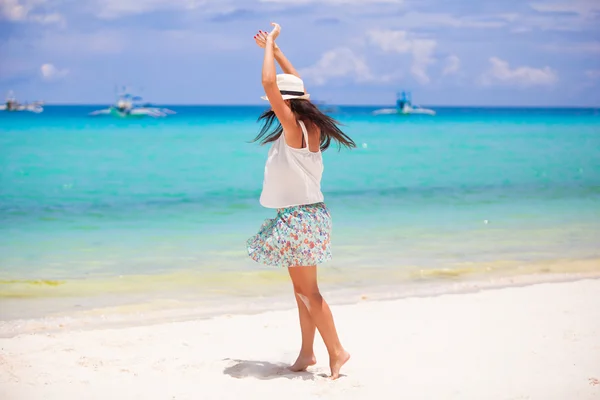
521, 29
112, 9
337, 63
28, 10
403, 42
335, 2
437, 20
585, 47
341, 62
190, 42
452, 65
233, 15
547, 22
422, 57
327, 21
583, 8
391, 41
61, 44
593, 74
501, 73
51, 73
12, 10
52, 18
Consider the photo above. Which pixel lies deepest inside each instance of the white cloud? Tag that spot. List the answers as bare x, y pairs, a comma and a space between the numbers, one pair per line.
51, 73
391, 41
60, 44
340, 2
110, 9
403, 42
593, 74
521, 29
565, 16
338, 63
190, 40
585, 47
52, 18
28, 10
422, 57
436, 20
452, 65
12, 10
584, 8
501, 73
342, 62
558, 22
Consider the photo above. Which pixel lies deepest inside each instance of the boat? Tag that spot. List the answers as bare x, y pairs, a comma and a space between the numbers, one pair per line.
12, 104
128, 106
404, 106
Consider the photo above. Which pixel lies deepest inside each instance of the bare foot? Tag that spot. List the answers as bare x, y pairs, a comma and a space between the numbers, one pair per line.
302, 363
337, 363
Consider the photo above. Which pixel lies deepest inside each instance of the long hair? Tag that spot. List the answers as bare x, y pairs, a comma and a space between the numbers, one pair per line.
305, 111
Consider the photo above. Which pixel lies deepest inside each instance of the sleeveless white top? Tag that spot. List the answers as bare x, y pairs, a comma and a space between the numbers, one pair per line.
292, 176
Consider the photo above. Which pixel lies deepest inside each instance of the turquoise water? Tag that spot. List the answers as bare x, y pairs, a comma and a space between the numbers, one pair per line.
86, 197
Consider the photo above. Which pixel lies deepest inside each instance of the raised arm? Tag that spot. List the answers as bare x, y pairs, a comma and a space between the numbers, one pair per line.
284, 63
269, 80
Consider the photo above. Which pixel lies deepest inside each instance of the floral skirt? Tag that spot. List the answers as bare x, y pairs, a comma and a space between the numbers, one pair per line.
297, 236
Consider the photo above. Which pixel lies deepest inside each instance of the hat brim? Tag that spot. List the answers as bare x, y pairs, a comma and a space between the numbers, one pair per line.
290, 96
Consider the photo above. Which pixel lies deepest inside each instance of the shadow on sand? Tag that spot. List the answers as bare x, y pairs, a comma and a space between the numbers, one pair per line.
264, 370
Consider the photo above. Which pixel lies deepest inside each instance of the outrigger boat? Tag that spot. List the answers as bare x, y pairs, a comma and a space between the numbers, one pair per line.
404, 106
12, 104
127, 107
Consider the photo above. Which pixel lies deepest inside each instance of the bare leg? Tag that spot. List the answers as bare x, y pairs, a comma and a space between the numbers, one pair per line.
308, 328
307, 291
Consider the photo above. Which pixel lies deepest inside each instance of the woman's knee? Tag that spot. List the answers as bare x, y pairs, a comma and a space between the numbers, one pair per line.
311, 297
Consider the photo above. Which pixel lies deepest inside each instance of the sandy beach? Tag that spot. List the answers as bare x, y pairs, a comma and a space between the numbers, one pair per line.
531, 342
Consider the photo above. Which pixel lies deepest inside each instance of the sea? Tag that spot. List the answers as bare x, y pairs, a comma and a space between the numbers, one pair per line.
147, 218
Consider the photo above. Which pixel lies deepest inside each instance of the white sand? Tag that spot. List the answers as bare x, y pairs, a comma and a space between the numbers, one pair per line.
535, 342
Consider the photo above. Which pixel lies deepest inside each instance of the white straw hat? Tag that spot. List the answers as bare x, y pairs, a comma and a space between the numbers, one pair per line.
290, 86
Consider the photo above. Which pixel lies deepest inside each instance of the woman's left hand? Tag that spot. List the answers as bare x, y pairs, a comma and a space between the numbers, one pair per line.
261, 39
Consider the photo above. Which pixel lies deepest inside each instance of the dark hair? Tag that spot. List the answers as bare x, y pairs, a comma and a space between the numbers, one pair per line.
304, 110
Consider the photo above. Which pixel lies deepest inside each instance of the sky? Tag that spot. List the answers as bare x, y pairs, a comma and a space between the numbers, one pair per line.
446, 52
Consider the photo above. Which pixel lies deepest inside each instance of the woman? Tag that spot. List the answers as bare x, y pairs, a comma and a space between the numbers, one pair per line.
298, 238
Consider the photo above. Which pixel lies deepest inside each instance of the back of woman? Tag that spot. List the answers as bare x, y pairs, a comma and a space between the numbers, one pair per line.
299, 237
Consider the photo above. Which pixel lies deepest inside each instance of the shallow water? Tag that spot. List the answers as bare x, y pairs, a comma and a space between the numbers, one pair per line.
91, 202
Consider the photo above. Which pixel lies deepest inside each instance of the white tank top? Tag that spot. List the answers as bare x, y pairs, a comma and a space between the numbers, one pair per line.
292, 176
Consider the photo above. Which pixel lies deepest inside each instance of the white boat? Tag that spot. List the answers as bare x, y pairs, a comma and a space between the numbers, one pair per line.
12, 104
404, 106
127, 107
410, 109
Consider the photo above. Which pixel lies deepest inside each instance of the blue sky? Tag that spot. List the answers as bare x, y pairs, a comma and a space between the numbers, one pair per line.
452, 52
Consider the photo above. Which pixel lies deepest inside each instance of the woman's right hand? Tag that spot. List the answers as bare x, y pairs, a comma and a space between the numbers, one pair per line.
276, 30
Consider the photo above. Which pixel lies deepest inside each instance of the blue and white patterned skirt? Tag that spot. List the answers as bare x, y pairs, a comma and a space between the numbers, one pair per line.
297, 236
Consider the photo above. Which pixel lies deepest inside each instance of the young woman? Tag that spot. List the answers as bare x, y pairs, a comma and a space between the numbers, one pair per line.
298, 238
